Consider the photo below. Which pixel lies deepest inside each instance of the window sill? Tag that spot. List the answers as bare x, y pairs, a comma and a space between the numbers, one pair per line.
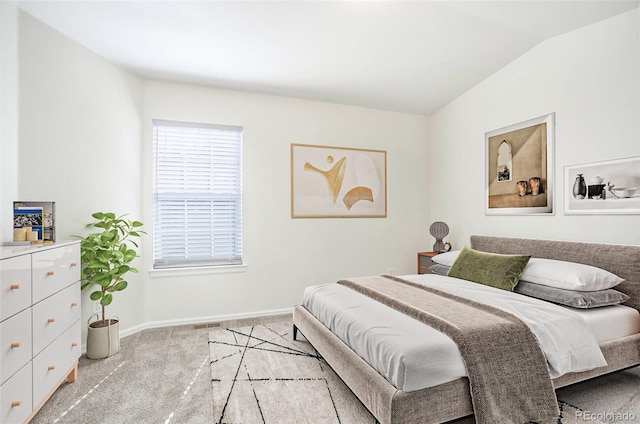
199, 270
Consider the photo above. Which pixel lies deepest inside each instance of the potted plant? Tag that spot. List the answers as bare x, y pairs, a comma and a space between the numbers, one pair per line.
106, 256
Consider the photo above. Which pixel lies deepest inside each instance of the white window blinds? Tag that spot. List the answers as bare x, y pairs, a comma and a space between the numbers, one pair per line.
197, 194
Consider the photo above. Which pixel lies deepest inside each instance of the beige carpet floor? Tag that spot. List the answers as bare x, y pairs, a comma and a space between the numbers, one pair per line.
159, 376
163, 376
260, 375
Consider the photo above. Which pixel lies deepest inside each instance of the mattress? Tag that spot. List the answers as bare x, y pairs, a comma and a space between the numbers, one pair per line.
413, 356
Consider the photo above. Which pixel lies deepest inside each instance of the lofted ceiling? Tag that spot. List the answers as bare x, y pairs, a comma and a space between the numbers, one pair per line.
405, 56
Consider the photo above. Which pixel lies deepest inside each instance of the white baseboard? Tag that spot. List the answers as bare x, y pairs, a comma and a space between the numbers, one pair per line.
201, 320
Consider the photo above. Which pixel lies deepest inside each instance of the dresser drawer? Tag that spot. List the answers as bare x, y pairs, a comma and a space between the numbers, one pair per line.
15, 397
15, 344
53, 363
54, 315
15, 285
53, 270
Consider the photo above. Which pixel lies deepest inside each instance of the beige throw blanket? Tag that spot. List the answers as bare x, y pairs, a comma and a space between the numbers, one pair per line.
507, 370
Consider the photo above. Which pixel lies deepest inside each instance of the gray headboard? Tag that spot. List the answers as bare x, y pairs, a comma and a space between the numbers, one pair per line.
622, 260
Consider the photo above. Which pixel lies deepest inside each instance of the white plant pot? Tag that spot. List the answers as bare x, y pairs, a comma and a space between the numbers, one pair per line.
103, 340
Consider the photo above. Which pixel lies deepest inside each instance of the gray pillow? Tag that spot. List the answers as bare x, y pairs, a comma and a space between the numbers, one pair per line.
575, 299
439, 269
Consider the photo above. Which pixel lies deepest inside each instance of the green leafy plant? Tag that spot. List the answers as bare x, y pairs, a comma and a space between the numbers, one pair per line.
106, 256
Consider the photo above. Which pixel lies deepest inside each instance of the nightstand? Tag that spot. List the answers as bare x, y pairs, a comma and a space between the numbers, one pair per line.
424, 262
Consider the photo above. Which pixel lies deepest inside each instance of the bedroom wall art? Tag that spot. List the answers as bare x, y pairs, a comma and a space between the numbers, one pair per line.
338, 182
519, 168
605, 187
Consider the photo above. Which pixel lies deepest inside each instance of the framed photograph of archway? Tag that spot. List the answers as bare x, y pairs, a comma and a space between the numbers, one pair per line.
519, 168
603, 188
338, 182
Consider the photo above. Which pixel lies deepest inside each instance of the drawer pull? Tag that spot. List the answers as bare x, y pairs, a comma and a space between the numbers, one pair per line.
15, 345
74, 264
74, 344
51, 320
51, 367
15, 403
15, 286
74, 304
50, 273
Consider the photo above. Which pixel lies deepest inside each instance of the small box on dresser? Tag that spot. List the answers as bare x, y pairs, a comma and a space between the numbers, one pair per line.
39, 325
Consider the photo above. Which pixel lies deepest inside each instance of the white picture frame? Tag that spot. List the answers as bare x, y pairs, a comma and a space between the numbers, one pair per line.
609, 176
511, 191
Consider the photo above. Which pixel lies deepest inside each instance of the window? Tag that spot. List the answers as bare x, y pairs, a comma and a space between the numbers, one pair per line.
504, 161
197, 194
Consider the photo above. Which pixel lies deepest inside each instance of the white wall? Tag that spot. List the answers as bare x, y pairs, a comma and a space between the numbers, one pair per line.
79, 132
284, 255
590, 78
85, 142
8, 116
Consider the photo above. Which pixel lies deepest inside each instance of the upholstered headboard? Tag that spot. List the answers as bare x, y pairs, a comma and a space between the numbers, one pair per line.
622, 260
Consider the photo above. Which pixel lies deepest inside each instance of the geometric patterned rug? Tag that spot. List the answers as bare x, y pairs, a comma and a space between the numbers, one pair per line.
260, 375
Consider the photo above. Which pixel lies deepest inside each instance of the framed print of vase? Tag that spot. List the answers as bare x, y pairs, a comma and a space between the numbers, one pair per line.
519, 168
603, 188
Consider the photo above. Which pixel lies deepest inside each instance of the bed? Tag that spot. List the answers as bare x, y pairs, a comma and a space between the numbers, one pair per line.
450, 399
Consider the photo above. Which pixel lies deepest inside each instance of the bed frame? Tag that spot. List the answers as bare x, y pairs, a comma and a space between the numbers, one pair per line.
452, 400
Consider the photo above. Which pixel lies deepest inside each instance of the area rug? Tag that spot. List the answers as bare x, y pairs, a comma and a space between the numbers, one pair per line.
260, 375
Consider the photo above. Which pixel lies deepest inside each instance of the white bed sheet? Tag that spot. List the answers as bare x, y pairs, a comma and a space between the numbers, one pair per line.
413, 356
610, 322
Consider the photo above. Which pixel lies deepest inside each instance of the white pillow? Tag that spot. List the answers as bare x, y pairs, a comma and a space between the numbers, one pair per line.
554, 273
447, 258
568, 275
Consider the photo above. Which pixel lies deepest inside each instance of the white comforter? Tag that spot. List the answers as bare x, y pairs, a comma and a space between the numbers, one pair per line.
413, 356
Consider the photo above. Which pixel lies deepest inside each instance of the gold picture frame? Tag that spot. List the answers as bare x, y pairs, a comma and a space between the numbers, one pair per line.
338, 182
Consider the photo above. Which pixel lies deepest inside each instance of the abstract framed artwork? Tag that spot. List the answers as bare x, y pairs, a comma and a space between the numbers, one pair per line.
338, 182
605, 187
519, 168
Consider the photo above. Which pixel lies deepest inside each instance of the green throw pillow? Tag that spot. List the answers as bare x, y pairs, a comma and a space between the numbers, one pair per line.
491, 269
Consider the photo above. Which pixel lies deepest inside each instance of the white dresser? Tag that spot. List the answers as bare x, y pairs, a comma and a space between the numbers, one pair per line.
39, 325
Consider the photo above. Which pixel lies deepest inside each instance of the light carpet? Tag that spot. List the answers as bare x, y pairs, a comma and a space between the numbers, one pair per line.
260, 375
